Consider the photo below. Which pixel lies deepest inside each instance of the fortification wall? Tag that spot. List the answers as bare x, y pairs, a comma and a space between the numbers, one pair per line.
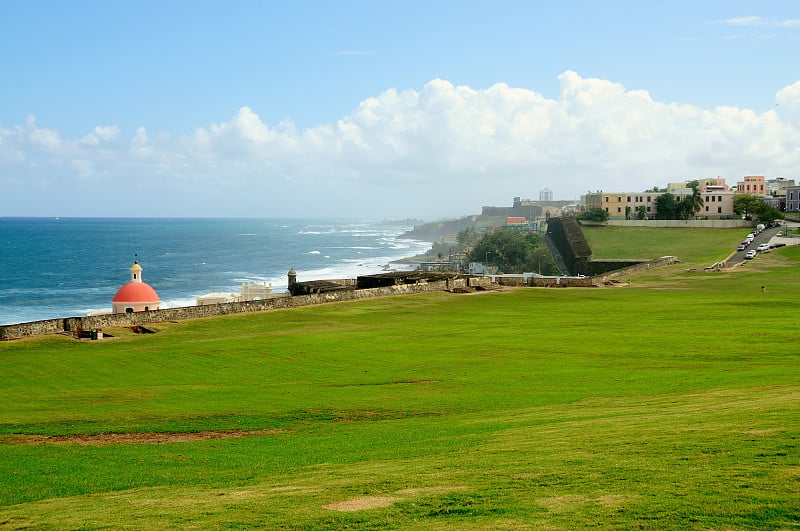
92, 322
560, 282
678, 223
644, 266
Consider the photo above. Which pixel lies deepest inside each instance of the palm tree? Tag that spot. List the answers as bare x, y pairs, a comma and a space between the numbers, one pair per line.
696, 200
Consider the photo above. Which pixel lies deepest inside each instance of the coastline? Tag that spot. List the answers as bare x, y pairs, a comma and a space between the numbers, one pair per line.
73, 267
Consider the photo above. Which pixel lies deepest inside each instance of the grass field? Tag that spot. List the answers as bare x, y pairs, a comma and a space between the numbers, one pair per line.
695, 246
673, 402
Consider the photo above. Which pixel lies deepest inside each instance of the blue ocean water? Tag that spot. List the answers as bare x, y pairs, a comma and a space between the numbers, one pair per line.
52, 267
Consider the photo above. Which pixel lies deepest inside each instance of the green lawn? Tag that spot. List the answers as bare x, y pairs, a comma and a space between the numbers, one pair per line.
670, 403
691, 245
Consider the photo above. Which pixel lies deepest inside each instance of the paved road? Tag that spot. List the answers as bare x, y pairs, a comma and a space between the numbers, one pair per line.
765, 236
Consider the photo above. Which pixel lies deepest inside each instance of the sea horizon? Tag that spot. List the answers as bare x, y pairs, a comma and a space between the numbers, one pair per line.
55, 267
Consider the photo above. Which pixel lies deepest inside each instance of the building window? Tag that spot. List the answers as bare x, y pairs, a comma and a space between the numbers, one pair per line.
648, 198
619, 199
719, 198
606, 199
719, 210
706, 208
606, 209
619, 210
648, 209
629, 199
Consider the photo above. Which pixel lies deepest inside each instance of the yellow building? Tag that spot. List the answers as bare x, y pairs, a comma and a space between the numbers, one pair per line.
615, 204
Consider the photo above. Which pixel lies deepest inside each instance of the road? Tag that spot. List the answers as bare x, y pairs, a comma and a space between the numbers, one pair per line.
765, 236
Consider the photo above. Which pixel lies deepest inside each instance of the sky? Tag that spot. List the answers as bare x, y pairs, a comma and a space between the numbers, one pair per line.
384, 110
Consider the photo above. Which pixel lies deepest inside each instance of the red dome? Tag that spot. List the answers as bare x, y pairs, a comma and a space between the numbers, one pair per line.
136, 292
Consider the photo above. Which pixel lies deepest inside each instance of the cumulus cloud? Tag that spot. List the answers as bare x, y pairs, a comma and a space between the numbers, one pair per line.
440, 150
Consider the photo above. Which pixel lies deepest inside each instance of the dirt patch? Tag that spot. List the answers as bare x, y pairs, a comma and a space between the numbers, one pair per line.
104, 439
568, 502
374, 502
359, 504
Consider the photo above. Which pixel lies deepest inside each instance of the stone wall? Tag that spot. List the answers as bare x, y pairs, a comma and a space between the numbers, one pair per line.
561, 282
644, 266
93, 322
567, 236
678, 223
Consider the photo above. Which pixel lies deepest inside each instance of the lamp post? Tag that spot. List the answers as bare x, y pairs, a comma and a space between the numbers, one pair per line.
487, 261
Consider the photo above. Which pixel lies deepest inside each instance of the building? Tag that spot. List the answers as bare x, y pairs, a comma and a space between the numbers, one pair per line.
250, 292
615, 204
779, 184
752, 185
793, 199
717, 204
136, 295
546, 195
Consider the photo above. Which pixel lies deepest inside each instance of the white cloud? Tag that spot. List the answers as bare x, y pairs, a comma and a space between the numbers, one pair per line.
788, 102
442, 150
101, 134
761, 22
745, 21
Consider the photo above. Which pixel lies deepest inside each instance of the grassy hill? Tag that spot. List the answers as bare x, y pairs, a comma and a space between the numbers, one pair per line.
670, 403
695, 246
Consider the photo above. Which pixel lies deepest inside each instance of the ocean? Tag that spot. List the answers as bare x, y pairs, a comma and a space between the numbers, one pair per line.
51, 267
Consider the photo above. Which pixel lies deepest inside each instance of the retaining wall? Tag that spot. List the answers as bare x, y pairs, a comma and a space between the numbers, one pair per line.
92, 322
644, 266
678, 223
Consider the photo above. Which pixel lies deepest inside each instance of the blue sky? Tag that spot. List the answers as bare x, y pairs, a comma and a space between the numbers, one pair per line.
382, 109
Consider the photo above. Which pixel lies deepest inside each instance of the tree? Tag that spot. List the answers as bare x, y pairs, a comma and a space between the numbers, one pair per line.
514, 252
695, 200
594, 214
467, 237
751, 207
667, 207
641, 212
746, 205
766, 213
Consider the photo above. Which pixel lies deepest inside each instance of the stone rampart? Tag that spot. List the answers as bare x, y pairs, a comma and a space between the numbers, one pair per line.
678, 223
94, 322
643, 266
560, 282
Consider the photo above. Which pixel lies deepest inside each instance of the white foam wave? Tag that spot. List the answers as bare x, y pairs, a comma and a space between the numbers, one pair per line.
314, 252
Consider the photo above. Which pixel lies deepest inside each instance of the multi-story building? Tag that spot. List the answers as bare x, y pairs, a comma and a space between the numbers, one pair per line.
793, 199
622, 205
546, 195
717, 204
615, 204
779, 184
593, 200
752, 185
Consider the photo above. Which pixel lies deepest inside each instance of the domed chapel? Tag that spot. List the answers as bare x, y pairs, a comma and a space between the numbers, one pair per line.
136, 295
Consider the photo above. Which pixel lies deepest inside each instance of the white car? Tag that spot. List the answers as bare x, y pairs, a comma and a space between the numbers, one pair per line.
750, 254
762, 247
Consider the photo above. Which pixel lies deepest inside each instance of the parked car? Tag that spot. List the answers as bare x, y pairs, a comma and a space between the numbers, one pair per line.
750, 254
741, 247
762, 247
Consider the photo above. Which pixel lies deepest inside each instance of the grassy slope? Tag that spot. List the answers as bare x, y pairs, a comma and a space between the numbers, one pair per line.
562, 408
696, 246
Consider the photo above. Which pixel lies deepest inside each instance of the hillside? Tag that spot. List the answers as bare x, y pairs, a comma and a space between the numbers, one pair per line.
659, 405
436, 230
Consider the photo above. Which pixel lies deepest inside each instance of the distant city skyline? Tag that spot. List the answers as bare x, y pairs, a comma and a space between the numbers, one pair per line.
363, 109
